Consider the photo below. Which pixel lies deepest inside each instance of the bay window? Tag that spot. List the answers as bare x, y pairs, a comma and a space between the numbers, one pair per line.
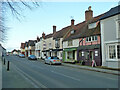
114, 51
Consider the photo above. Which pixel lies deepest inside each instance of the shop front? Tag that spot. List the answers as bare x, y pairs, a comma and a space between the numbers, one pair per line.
87, 54
70, 55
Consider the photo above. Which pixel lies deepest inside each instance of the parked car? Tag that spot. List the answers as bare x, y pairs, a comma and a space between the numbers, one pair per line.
32, 57
22, 55
53, 60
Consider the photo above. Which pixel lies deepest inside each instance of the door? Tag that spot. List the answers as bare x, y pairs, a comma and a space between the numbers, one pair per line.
91, 57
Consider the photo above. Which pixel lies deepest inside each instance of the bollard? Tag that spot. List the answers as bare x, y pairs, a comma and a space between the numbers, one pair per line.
8, 66
4, 61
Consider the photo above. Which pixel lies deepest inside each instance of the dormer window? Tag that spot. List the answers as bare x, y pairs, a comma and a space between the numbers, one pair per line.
92, 25
73, 31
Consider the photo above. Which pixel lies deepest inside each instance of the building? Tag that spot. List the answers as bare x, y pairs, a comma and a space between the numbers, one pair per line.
110, 34
22, 47
15, 52
83, 41
31, 47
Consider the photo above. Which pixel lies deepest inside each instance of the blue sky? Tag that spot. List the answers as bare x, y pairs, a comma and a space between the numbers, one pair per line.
48, 14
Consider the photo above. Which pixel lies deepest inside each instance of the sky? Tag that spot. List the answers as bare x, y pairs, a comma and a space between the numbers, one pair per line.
43, 18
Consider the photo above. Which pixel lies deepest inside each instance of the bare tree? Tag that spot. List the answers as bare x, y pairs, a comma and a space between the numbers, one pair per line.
15, 8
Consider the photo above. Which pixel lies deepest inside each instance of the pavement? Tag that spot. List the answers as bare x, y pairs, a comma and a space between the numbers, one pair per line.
115, 72
93, 69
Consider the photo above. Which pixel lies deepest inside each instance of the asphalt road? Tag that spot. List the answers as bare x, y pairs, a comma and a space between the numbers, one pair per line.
26, 73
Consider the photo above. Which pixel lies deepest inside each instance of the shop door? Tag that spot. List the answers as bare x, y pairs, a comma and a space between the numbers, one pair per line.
91, 57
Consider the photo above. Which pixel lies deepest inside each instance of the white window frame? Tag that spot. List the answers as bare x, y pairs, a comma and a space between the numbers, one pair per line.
91, 38
107, 53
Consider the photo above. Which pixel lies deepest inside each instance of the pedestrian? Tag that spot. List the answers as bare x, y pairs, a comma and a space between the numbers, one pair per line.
93, 63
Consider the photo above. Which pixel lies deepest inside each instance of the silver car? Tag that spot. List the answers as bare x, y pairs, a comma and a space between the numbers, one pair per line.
52, 60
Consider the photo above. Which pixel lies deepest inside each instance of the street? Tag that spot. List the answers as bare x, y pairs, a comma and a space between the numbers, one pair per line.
26, 73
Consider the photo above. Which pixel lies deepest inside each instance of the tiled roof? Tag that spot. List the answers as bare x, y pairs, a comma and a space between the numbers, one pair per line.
61, 33
48, 36
83, 31
111, 12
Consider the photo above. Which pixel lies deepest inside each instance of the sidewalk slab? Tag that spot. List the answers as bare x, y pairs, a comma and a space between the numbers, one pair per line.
93, 69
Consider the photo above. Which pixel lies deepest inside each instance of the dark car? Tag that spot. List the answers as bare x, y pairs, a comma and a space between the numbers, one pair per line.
32, 57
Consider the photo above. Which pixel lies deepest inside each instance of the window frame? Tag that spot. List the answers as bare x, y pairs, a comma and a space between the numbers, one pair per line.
91, 37
116, 52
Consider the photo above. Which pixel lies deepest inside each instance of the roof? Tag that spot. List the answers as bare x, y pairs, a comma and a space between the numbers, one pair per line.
32, 42
83, 31
48, 36
111, 12
61, 33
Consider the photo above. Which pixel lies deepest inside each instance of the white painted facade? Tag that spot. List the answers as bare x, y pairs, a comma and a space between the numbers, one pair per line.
74, 41
110, 37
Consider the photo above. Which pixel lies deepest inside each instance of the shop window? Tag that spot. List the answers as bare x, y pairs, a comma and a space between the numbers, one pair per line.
112, 52
70, 55
96, 53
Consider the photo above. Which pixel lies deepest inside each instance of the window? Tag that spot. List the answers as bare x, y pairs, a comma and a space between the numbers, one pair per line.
112, 52
57, 43
86, 39
95, 38
73, 31
70, 43
92, 25
92, 38
118, 51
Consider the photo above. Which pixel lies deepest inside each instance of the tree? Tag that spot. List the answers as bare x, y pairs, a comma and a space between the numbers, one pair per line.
15, 8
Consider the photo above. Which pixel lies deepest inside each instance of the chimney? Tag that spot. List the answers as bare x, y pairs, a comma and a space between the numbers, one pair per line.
43, 35
72, 22
54, 29
38, 39
88, 14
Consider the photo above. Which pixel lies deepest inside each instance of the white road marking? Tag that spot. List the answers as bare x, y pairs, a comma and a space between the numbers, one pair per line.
66, 76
